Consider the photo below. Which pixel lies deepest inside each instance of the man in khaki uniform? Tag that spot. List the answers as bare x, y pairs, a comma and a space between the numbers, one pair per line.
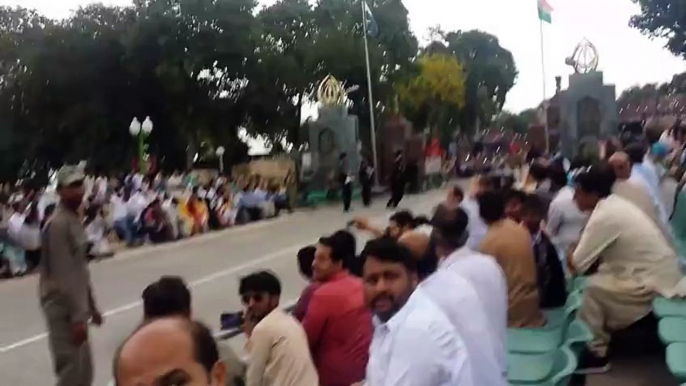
66, 296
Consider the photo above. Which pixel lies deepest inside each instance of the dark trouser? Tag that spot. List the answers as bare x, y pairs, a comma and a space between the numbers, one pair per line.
397, 193
366, 194
347, 192
32, 259
72, 364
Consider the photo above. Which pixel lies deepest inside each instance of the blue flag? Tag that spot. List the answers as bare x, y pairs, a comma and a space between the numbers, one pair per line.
372, 27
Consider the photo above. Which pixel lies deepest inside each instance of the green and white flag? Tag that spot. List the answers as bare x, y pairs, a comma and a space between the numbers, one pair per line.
545, 11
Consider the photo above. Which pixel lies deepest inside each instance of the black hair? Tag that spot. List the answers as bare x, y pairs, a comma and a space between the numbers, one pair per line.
457, 191
538, 171
449, 227
389, 250
404, 218
599, 179
514, 194
205, 351
491, 206
533, 204
636, 153
343, 245
305, 259
262, 281
557, 175
166, 297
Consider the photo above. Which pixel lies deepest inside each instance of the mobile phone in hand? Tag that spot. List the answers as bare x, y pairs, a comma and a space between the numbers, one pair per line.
231, 320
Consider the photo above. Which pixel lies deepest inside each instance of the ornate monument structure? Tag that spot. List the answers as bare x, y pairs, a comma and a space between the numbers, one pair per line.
588, 108
332, 133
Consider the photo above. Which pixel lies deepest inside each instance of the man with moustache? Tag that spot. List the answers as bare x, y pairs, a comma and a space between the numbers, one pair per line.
414, 343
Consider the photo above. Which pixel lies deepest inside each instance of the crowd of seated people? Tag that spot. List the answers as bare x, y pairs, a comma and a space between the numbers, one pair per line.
428, 303
136, 209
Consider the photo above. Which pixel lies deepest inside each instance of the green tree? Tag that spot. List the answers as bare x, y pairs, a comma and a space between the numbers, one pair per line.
436, 92
664, 19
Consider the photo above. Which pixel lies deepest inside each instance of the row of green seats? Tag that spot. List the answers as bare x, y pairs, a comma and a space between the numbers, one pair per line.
548, 356
672, 332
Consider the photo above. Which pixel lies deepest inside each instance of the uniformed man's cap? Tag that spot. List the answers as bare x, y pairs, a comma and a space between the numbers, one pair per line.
69, 175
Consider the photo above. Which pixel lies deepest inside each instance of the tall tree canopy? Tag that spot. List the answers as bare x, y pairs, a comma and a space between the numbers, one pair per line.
203, 70
665, 19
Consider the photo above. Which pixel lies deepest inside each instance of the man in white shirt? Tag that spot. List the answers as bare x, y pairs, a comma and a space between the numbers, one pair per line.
477, 229
414, 343
470, 289
565, 220
643, 174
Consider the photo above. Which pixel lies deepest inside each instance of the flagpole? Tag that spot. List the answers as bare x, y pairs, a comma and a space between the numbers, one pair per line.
371, 99
543, 77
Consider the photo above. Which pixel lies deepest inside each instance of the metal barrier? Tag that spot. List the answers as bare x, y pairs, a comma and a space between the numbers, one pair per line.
234, 332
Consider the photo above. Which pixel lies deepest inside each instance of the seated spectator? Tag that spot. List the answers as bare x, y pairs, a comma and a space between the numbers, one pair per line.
120, 219
197, 210
250, 205
550, 275
305, 259
565, 220
399, 223
337, 322
169, 351
636, 264
156, 224
414, 342
419, 244
513, 204
226, 210
510, 244
470, 288
170, 206
477, 228
96, 231
279, 198
170, 297
279, 354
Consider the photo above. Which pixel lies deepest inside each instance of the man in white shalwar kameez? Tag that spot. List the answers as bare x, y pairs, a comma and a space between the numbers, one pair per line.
635, 264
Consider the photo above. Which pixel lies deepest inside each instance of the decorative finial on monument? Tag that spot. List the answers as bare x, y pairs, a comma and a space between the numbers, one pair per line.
330, 92
585, 58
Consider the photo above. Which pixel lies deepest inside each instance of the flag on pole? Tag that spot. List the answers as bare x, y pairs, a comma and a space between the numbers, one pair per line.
545, 11
372, 27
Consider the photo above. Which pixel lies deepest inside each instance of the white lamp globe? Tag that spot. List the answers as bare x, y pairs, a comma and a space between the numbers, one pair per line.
147, 126
220, 151
135, 127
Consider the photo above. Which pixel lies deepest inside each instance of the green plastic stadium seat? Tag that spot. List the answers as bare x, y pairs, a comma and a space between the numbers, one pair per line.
579, 283
672, 330
550, 369
555, 317
578, 335
543, 339
676, 360
663, 307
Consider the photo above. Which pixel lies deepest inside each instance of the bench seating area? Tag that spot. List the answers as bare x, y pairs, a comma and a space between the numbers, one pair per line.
672, 332
549, 355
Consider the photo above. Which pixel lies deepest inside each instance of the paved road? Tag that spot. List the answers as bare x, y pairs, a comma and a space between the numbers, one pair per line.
211, 263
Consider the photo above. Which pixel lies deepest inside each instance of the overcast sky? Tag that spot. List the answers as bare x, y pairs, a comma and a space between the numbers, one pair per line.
626, 57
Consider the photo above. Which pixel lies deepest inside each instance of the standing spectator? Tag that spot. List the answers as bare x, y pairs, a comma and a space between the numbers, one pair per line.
337, 323
66, 295
366, 175
414, 343
169, 351
277, 344
14, 247
345, 181
398, 180
510, 244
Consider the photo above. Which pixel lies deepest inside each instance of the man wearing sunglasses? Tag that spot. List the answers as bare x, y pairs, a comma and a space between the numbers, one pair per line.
66, 295
279, 354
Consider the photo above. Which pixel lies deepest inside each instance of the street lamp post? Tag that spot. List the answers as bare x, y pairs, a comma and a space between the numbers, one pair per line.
141, 131
220, 154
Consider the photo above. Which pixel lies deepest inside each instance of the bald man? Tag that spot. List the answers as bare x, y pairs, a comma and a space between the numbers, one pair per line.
169, 351
635, 193
417, 242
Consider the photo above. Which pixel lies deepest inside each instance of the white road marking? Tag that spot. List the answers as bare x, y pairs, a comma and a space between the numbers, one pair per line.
197, 282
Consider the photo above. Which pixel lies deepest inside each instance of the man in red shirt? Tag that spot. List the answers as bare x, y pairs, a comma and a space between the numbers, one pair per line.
337, 323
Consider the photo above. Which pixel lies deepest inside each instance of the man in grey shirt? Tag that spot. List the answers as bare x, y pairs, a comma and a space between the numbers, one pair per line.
66, 296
